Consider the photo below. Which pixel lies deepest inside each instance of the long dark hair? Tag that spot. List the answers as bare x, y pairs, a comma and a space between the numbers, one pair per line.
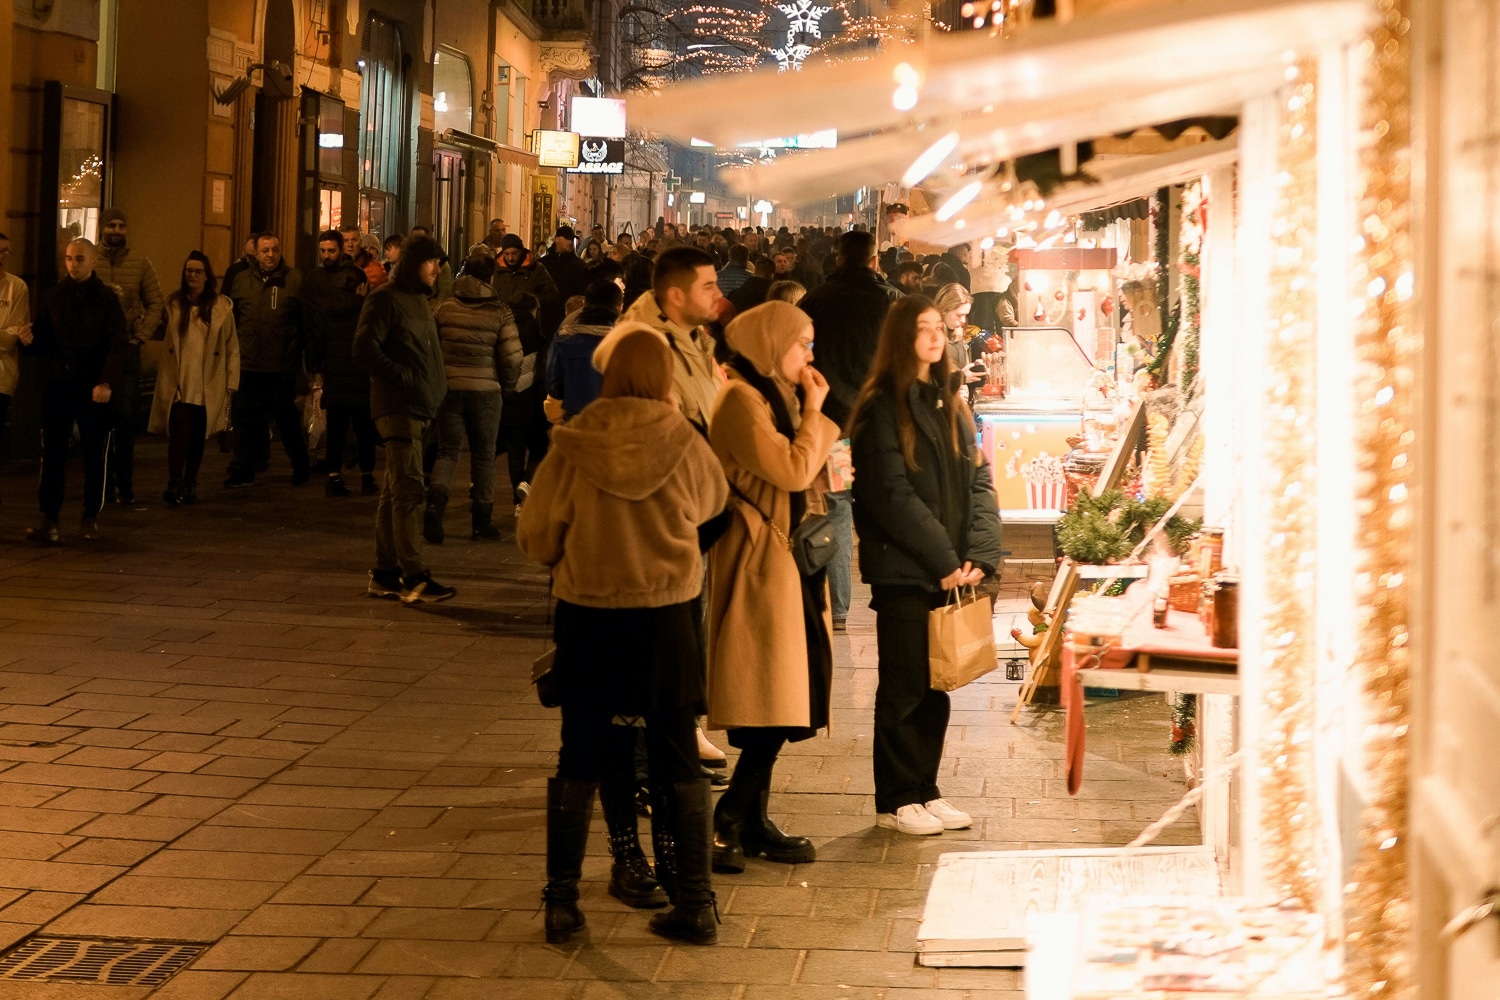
205, 301
895, 369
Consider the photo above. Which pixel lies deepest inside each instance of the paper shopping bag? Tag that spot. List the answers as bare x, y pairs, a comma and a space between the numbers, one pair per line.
960, 641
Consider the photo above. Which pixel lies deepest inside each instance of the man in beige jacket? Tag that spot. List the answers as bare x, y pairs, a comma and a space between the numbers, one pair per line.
684, 298
15, 328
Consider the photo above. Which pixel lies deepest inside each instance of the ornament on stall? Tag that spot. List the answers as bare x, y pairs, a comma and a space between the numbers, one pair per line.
1107, 307
1082, 313
1184, 725
1028, 286
1040, 314
1059, 295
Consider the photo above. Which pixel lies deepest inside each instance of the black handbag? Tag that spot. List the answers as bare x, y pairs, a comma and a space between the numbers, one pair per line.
812, 543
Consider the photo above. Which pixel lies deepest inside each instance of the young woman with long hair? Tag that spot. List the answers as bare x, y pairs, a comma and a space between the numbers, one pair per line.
925, 511
198, 373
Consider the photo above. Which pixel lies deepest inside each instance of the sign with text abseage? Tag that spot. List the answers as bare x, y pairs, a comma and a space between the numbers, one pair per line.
599, 155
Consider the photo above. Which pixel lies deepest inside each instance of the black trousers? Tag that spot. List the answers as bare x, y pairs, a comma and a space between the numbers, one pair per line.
262, 398
911, 719
4, 409
590, 741
187, 425
366, 438
65, 403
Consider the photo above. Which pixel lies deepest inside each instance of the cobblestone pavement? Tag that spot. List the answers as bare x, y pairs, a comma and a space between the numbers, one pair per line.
208, 733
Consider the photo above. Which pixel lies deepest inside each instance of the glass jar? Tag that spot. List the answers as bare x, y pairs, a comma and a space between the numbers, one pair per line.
1225, 631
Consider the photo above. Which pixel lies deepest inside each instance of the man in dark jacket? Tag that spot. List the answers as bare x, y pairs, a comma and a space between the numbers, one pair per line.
81, 336
847, 310
396, 342
518, 271
133, 279
332, 295
736, 272
752, 291
268, 321
569, 273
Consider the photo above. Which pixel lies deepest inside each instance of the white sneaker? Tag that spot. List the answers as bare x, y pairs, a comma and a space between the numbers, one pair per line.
951, 818
912, 819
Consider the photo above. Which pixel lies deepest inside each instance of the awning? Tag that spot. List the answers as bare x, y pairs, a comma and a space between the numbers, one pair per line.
1120, 179
500, 151
1055, 84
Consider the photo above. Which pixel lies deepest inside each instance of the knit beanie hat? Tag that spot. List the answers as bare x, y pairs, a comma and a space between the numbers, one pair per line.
510, 241
110, 215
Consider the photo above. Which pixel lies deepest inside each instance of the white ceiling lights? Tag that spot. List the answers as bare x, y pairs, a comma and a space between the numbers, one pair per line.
934, 157
959, 200
908, 80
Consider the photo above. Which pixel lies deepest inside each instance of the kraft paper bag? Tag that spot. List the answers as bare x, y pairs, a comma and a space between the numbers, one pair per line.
960, 642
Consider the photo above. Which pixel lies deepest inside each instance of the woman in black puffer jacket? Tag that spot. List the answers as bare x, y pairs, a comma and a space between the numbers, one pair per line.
924, 507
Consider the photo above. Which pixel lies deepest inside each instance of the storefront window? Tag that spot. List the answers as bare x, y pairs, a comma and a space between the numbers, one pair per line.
80, 169
453, 92
384, 119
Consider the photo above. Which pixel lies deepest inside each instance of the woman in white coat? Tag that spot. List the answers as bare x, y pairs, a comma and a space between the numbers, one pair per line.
199, 372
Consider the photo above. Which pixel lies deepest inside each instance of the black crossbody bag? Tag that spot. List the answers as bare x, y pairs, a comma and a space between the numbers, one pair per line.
812, 543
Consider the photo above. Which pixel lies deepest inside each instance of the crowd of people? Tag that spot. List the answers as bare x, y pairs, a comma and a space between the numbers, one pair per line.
676, 409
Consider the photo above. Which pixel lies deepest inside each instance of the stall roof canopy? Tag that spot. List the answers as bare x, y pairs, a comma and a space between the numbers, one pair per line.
1116, 180
1055, 84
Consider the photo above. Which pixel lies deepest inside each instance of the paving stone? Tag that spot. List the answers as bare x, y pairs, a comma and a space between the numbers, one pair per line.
77, 777
203, 893
224, 865
168, 923
337, 955
193, 984
55, 876
95, 800
308, 921
39, 907
438, 892
437, 958
103, 851
863, 968
334, 890
303, 985
256, 954
137, 827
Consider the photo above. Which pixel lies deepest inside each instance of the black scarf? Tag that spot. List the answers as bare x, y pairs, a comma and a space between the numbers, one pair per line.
779, 415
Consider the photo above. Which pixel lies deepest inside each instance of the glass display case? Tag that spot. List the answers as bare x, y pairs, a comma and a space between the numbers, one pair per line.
1025, 435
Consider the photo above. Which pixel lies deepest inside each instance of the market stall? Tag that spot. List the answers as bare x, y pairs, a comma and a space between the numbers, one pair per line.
1264, 369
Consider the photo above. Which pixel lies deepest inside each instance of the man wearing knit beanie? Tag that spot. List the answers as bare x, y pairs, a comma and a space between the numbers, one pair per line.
396, 342
134, 281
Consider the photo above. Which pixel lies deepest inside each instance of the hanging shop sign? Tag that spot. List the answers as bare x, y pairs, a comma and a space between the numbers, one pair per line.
543, 203
556, 149
601, 116
599, 155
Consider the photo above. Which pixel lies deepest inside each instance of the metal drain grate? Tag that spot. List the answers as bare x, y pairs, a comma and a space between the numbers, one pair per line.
108, 963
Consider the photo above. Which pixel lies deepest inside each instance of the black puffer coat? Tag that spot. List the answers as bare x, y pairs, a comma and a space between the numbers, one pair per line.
332, 297
918, 526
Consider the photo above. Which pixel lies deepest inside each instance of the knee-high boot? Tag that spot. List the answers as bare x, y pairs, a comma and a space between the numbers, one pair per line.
570, 806
694, 915
630, 878
730, 815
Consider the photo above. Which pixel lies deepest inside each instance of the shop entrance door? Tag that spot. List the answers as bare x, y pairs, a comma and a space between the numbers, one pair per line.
448, 176
1455, 801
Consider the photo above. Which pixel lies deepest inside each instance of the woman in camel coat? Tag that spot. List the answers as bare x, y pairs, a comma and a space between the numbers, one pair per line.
770, 659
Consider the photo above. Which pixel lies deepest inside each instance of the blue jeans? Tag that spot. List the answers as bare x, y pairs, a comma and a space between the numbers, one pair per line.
841, 569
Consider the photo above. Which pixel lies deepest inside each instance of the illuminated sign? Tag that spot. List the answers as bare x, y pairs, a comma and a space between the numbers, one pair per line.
697, 198
600, 116
600, 155
556, 149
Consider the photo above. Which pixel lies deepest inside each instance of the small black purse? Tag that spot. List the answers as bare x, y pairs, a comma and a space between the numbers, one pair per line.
812, 543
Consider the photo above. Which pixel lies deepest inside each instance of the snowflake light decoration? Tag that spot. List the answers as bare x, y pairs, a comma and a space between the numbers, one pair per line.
805, 17
791, 56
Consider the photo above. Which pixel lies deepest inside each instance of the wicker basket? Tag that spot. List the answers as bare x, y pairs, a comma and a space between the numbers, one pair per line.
1184, 593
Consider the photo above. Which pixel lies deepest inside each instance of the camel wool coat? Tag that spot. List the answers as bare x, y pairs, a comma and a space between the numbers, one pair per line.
221, 366
757, 640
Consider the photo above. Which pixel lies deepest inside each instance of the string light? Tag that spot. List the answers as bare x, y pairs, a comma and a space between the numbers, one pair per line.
1378, 905
1288, 657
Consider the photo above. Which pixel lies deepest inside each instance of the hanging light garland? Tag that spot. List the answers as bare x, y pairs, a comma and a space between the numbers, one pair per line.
1288, 661
1378, 909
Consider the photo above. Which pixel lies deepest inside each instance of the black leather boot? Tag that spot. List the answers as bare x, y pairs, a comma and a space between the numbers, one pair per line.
482, 517
570, 806
432, 517
630, 877
694, 916
730, 815
760, 834
663, 842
